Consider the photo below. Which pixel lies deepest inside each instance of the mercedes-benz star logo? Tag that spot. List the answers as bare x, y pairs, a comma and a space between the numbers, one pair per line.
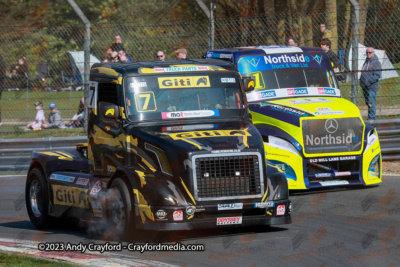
331, 125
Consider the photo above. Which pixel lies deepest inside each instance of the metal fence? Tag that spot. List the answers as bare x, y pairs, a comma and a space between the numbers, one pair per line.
54, 75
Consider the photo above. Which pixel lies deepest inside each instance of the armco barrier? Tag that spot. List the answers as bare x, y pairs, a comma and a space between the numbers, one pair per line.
15, 154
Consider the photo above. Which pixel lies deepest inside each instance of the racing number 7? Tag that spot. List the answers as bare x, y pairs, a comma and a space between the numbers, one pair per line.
146, 103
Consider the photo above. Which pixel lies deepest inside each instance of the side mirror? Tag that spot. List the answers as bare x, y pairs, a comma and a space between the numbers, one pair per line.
109, 110
249, 84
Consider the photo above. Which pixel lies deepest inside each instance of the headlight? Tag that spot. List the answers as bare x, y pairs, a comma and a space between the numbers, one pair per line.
375, 165
372, 138
282, 144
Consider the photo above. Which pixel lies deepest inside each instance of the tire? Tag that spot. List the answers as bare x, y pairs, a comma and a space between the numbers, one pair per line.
37, 199
121, 208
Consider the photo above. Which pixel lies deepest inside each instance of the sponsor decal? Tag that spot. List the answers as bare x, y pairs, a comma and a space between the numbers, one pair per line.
254, 61
297, 91
82, 181
208, 134
229, 220
209, 55
188, 128
183, 82
161, 215
178, 215
225, 56
326, 91
182, 69
136, 84
70, 196
97, 209
189, 114
267, 94
230, 206
268, 204
330, 183
297, 58
318, 58
95, 189
323, 109
332, 135
225, 151
308, 101
289, 110
190, 210
228, 80
333, 159
339, 112
326, 174
280, 210
63, 178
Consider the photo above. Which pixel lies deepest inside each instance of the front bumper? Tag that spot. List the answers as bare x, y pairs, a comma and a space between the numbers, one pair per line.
206, 217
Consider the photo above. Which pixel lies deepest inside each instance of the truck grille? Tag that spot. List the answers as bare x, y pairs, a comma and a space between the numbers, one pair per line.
228, 176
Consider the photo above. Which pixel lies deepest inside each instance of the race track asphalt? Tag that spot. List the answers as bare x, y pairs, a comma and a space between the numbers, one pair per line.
332, 227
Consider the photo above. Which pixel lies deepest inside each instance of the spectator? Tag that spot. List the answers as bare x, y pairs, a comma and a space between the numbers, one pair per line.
54, 119
78, 119
160, 56
181, 53
369, 81
114, 53
3, 70
19, 73
39, 119
292, 42
122, 55
326, 33
118, 39
105, 60
326, 46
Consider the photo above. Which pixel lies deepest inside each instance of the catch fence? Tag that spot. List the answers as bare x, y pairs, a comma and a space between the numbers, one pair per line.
55, 75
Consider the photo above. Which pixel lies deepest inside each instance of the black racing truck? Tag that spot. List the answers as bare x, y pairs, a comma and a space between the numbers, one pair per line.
171, 146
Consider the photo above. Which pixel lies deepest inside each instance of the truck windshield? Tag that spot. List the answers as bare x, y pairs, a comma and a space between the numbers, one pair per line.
183, 96
288, 71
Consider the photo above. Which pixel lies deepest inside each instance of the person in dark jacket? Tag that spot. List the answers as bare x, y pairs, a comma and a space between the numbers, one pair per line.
326, 46
369, 81
54, 119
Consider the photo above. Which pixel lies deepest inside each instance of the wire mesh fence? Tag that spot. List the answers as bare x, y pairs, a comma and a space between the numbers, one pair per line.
54, 54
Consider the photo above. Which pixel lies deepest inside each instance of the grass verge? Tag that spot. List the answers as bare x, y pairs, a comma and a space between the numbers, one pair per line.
28, 261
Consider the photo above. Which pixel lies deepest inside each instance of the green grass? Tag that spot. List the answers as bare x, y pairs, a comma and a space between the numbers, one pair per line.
28, 261
14, 131
18, 105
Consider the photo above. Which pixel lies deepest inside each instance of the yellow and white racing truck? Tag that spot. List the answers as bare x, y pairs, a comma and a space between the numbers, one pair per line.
315, 135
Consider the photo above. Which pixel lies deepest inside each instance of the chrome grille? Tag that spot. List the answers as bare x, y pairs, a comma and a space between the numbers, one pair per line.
227, 176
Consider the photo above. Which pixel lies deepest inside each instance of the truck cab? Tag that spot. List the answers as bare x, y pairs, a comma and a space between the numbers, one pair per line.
309, 130
175, 143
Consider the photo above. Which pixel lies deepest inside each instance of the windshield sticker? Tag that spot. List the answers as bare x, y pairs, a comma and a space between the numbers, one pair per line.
308, 101
323, 109
209, 55
297, 91
339, 112
190, 114
283, 61
181, 69
254, 61
290, 92
326, 91
183, 82
136, 84
145, 102
228, 80
217, 55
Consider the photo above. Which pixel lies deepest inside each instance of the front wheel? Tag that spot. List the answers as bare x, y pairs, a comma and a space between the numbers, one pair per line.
37, 198
120, 207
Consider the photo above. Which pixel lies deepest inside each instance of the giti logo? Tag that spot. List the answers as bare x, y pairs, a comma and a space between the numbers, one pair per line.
183, 82
70, 196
